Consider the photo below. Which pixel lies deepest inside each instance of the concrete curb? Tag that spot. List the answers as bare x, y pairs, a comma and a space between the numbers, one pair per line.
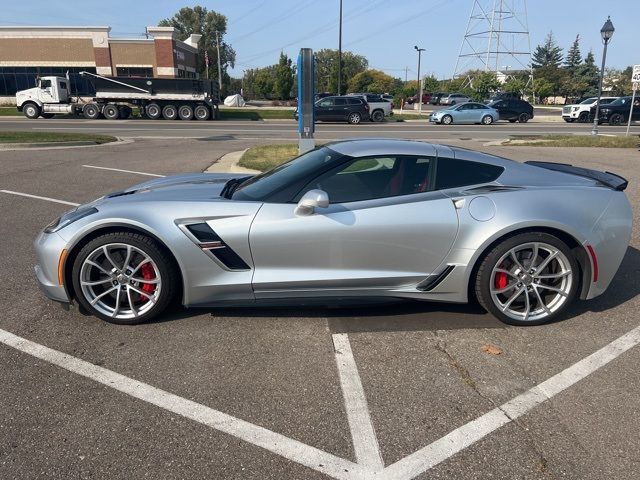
13, 147
228, 163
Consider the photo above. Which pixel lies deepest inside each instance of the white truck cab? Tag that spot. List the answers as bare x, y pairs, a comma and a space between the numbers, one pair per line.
49, 96
581, 112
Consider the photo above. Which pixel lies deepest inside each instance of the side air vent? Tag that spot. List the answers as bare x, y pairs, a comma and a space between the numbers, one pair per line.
211, 243
434, 280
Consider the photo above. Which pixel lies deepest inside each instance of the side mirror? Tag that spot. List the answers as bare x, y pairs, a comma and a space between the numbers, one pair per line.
310, 201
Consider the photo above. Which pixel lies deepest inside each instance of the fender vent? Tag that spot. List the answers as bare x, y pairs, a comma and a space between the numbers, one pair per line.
211, 243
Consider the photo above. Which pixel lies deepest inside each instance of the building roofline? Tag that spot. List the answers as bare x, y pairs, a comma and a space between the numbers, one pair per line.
131, 40
100, 28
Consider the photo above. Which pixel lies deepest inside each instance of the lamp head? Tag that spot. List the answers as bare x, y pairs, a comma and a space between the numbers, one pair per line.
607, 30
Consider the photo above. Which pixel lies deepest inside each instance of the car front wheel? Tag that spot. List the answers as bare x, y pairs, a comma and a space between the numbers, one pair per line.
528, 279
447, 120
616, 119
124, 278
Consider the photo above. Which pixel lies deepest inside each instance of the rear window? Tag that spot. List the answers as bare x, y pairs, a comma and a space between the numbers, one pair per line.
452, 173
341, 101
354, 101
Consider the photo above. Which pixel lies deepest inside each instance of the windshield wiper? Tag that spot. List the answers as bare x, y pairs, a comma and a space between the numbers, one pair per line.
231, 186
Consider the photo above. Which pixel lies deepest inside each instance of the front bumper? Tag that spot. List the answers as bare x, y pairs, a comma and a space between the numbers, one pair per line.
48, 249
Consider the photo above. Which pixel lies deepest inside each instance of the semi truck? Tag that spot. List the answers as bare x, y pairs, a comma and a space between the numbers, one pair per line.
168, 98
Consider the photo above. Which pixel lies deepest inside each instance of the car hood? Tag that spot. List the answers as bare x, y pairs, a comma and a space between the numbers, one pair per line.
184, 187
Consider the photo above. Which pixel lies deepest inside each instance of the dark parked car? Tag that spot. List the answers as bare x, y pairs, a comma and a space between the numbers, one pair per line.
341, 109
436, 97
513, 110
426, 98
505, 96
617, 112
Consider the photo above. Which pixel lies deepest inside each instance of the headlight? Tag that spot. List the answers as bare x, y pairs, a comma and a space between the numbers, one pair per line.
68, 218
575, 108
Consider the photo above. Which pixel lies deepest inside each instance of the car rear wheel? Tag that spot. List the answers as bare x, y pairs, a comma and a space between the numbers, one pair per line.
487, 120
528, 279
523, 118
377, 116
354, 118
616, 119
124, 278
447, 120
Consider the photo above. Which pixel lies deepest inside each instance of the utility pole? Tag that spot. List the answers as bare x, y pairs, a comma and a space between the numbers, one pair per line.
406, 74
419, 50
340, 53
219, 65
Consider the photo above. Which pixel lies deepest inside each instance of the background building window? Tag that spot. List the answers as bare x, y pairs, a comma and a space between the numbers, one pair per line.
134, 72
13, 79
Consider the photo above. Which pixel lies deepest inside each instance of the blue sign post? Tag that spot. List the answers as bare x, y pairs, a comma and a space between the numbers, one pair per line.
306, 96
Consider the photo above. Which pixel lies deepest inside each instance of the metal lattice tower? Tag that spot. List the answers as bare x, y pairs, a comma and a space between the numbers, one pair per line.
496, 39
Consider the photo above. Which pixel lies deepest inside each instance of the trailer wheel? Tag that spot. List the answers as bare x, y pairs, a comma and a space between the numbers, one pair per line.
125, 111
170, 112
111, 112
91, 111
153, 110
31, 110
185, 112
201, 112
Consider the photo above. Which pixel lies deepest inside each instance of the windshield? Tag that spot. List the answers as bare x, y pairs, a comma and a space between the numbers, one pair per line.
588, 100
298, 169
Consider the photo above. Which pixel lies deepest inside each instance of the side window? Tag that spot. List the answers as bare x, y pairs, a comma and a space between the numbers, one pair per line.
63, 85
353, 101
340, 102
453, 173
326, 103
375, 177
45, 83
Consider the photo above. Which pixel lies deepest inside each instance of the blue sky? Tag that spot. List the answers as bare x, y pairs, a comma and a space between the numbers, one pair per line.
384, 31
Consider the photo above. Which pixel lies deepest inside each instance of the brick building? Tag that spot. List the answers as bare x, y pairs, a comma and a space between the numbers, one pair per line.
28, 52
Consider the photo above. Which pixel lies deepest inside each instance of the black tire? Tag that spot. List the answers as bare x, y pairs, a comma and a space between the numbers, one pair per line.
111, 111
523, 118
569, 120
31, 110
377, 116
91, 111
201, 112
483, 278
452, 103
513, 120
487, 120
169, 112
446, 120
616, 119
125, 112
153, 111
168, 272
354, 118
583, 117
47, 115
185, 112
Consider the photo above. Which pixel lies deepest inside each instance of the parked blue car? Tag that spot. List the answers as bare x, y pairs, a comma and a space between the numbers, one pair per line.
469, 112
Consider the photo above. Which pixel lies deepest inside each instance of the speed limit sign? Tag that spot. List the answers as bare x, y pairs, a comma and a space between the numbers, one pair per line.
635, 76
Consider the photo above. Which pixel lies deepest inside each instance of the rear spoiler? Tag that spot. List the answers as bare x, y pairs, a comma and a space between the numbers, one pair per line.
608, 179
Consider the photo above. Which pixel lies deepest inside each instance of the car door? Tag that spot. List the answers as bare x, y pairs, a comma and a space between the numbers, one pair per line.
464, 114
324, 109
384, 229
340, 109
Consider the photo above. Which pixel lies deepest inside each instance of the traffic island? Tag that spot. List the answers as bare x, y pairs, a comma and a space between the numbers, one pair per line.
19, 140
602, 141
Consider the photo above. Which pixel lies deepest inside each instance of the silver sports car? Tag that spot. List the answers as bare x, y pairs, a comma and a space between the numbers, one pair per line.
357, 218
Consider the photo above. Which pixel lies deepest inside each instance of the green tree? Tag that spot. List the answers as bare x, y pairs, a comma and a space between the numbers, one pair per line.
260, 82
327, 69
588, 75
618, 82
431, 84
542, 87
547, 54
514, 85
204, 22
284, 73
373, 81
574, 57
484, 84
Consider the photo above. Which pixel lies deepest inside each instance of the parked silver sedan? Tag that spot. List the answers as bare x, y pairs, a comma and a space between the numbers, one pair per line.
357, 218
454, 99
469, 112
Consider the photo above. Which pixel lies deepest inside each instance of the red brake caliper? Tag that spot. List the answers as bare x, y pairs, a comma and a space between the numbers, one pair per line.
148, 273
501, 280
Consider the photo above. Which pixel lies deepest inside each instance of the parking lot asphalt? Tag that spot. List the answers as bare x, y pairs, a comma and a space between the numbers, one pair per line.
307, 392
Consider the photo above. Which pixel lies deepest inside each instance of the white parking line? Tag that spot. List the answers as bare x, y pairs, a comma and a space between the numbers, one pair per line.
125, 171
363, 434
463, 437
274, 442
38, 197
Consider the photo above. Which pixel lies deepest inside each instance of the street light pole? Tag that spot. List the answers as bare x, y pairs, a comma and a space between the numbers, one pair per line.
340, 53
606, 32
419, 50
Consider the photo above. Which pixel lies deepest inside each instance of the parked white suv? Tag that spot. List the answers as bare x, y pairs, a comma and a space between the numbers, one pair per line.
581, 112
379, 107
454, 98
